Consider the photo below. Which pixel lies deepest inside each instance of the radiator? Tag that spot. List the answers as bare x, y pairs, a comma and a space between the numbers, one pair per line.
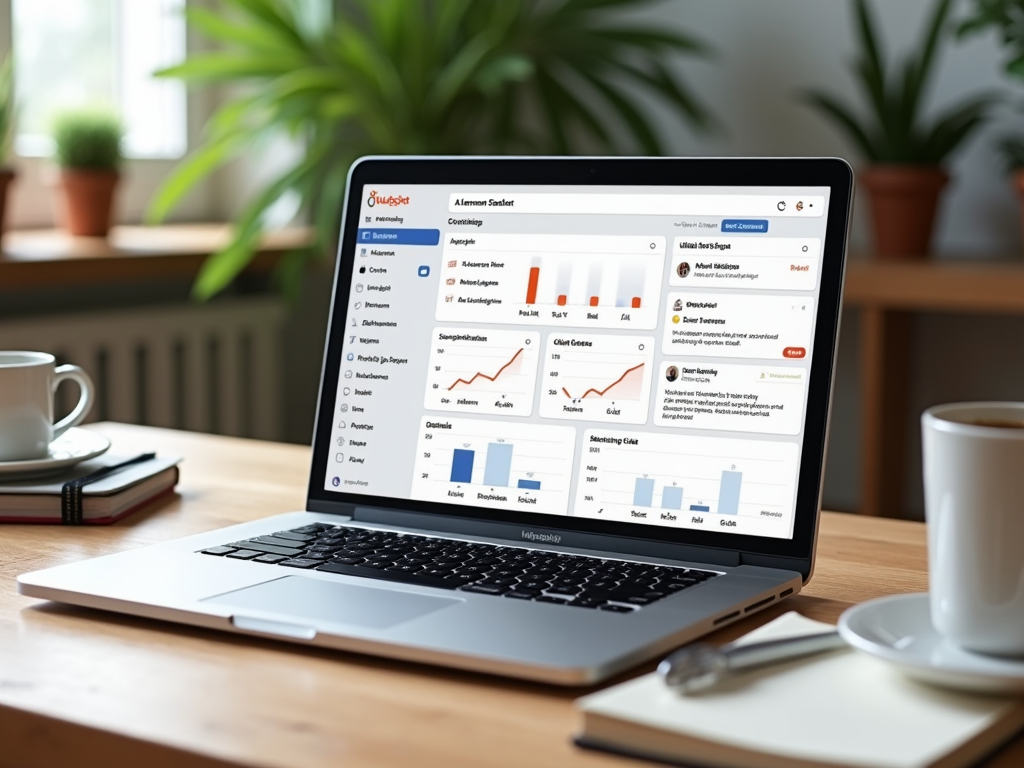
207, 368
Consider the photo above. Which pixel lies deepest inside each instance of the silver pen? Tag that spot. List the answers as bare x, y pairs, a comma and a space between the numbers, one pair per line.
700, 666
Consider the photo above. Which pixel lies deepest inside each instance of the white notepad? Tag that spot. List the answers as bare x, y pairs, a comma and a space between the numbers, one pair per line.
842, 708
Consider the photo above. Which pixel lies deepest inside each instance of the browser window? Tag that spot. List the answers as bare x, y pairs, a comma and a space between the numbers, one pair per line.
633, 354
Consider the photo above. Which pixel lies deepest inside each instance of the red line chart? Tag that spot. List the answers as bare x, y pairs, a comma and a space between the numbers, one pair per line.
601, 392
482, 375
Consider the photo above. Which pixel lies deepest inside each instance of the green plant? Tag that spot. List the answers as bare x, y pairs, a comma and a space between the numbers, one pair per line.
87, 140
8, 114
1007, 17
895, 130
423, 77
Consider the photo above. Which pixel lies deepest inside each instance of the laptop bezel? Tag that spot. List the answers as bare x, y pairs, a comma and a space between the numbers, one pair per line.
834, 173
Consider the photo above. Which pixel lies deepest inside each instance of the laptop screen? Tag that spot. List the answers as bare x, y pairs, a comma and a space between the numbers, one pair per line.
637, 355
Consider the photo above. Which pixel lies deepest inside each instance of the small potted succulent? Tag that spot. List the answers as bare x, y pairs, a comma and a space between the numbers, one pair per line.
7, 118
88, 151
905, 152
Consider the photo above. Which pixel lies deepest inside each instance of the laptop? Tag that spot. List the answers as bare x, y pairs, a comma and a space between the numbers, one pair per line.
573, 414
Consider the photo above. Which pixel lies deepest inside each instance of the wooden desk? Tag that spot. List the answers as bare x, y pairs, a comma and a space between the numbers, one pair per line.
85, 688
887, 293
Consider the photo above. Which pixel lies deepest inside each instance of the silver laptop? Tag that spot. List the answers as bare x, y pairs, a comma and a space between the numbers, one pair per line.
572, 414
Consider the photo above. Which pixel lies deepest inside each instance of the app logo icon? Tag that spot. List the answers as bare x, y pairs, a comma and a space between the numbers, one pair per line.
423, 271
335, 481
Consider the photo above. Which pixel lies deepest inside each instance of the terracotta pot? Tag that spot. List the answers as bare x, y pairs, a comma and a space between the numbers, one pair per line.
6, 178
903, 201
88, 201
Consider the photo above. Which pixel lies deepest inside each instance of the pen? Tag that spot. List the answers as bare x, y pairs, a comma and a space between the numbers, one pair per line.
700, 666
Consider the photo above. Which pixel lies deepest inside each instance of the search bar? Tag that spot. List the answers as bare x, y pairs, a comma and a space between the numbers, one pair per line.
789, 205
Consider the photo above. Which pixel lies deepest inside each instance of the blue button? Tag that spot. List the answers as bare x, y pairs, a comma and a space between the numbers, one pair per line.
423, 271
745, 225
399, 236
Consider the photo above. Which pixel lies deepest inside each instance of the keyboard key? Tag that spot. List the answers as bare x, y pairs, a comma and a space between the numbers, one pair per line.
522, 594
485, 589
268, 549
300, 562
562, 590
243, 554
616, 608
547, 599
269, 559
218, 550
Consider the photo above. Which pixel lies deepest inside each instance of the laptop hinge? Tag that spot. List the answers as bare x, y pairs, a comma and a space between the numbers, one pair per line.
539, 535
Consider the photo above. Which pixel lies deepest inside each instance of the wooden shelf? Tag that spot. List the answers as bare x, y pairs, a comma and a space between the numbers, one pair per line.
38, 259
941, 286
887, 294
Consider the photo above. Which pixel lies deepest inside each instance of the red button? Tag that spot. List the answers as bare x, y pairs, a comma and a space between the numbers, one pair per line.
794, 352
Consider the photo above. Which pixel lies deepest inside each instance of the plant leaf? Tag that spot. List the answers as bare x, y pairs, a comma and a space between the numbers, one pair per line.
846, 121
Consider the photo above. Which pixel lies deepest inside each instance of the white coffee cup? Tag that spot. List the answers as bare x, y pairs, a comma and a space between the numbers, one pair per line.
28, 381
974, 506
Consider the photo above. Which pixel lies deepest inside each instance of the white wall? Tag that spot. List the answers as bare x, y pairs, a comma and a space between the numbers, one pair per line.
767, 52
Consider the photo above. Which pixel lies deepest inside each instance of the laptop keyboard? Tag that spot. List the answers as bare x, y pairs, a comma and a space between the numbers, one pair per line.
489, 569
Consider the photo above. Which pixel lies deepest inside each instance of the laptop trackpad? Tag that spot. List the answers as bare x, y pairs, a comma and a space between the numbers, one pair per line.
317, 601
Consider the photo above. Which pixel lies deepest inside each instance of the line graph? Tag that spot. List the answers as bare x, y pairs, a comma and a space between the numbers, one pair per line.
484, 371
482, 375
597, 378
634, 381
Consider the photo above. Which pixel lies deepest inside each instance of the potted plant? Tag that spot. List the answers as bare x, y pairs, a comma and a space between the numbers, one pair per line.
88, 151
419, 77
7, 120
904, 151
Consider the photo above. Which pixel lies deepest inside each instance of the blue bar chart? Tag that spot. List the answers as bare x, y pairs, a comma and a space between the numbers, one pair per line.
462, 466
720, 484
672, 497
494, 464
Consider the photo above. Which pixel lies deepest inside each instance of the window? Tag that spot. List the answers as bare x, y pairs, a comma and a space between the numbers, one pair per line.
100, 53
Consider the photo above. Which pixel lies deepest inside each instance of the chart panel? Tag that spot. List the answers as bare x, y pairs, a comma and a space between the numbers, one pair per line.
597, 378
482, 371
555, 280
719, 484
502, 465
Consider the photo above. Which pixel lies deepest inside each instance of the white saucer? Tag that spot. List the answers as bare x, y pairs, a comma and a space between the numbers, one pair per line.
899, 629
72, 447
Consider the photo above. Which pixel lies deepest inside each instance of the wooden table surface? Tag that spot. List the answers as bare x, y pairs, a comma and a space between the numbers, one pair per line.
87, 688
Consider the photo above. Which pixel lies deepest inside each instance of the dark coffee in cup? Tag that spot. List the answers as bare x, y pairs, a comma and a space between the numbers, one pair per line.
999, 423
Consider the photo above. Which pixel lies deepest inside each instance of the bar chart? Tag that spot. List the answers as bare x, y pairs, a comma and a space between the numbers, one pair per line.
503, 465
597, 378
721, 484
559, 280
483, 371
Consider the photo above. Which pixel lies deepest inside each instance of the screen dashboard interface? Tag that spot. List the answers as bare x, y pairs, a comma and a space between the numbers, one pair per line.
631, 354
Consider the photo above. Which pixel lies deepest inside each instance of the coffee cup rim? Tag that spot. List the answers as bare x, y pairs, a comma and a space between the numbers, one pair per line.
939, 417
35, 358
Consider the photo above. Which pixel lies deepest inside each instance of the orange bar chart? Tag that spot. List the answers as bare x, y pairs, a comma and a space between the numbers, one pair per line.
562, 299
593, 301
636, 302
531, 288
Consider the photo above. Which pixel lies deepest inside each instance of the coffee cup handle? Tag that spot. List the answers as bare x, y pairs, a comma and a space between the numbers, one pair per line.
85, 400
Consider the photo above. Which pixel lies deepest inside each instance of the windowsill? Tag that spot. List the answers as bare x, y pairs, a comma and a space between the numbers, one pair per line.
48, 257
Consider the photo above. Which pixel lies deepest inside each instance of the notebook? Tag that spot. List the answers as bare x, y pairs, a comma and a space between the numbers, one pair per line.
840, 709
572, 413
103, 501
